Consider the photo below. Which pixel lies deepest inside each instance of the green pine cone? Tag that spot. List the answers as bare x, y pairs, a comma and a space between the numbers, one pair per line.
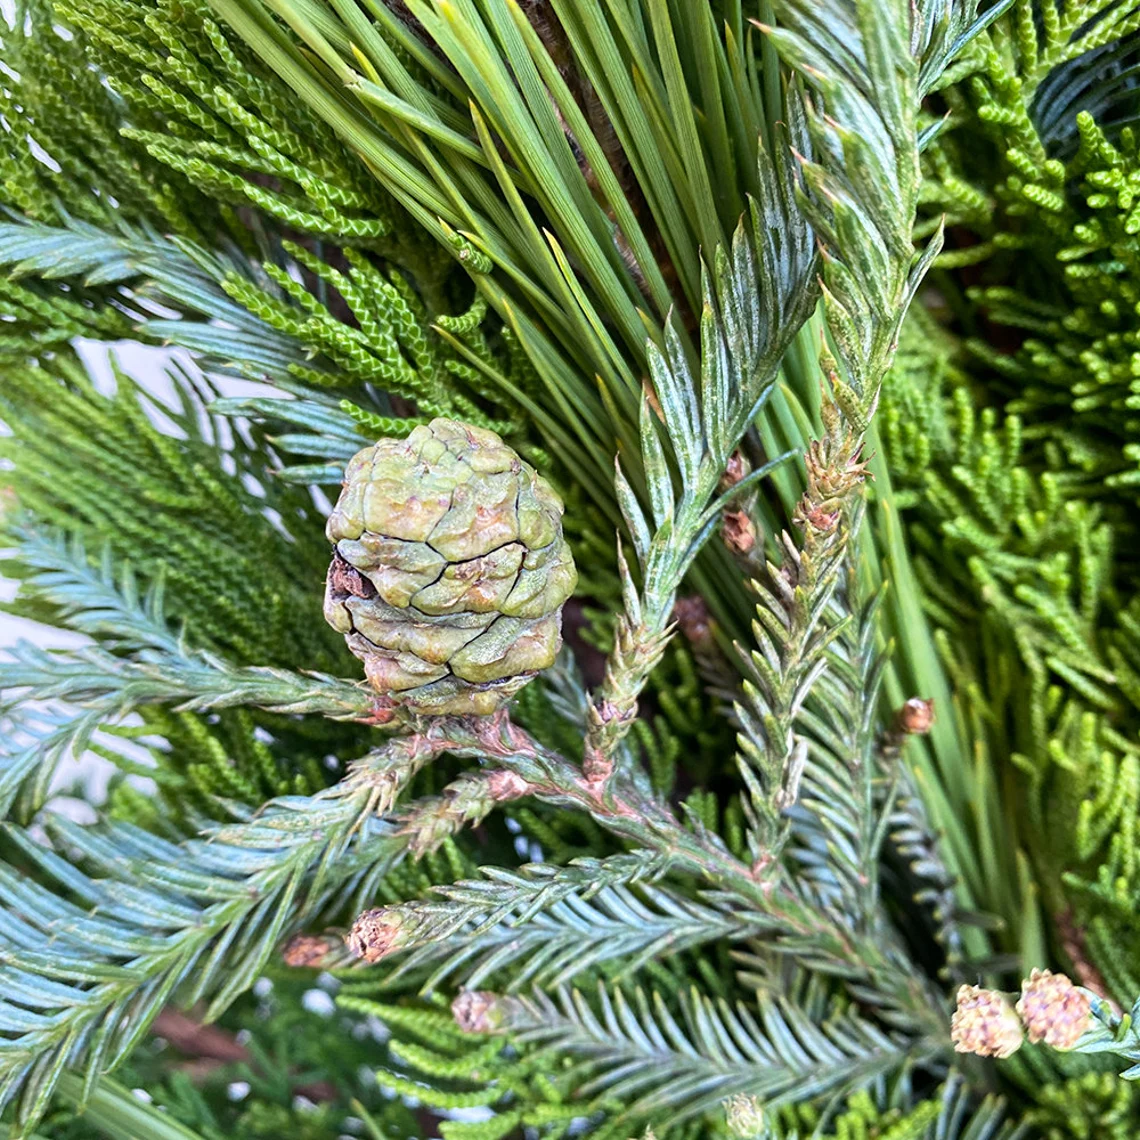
449, 570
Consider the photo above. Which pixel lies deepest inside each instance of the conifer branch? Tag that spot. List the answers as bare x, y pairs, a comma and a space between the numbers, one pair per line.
860, 192
861, 187
1110, 1030
160, 921
634, 1049
137, 661
796, 627
244, 316
498, 209
102, 688
546, 925
756, 298
789, 918
847, 797
145, 273
915, 843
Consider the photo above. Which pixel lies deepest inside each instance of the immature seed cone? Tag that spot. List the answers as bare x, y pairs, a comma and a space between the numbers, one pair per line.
449, 570
985, 1023
1053, 1009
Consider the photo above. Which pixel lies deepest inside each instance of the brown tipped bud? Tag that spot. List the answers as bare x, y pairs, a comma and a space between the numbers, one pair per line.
305, 950
736, 471
1053, 1009
916, 717
739, 532
693, 617
503, 786
478, 1011
377, 933
985, 1023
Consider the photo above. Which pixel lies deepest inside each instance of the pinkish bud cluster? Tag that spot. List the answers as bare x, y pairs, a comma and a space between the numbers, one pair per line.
1053, 1009
735, 471
739, 531
985, 1023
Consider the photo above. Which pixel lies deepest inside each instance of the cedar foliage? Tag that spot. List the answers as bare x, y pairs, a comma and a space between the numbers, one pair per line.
878, 254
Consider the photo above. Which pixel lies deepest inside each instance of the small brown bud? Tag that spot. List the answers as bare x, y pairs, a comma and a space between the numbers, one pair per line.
503, 786
477, 1011
376, 934
384, 711
985, 1023
916, 717
739, 531
1053, 1009
694, 619
305, 950
736, 471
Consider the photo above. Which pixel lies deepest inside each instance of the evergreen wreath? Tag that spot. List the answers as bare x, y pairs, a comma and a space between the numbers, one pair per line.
807, 807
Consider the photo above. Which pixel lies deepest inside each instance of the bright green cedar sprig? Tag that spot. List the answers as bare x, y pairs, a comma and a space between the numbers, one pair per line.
1022, 512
